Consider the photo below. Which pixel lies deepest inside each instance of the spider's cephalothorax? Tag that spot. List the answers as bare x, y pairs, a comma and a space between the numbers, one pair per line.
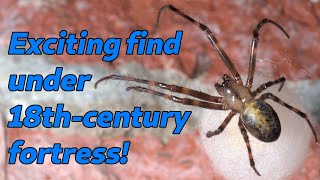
233, 94
256, 116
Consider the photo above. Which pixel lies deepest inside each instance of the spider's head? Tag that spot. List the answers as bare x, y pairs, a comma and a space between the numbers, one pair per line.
226, 79
224, 86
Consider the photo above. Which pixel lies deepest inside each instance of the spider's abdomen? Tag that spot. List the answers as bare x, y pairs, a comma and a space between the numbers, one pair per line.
261, 120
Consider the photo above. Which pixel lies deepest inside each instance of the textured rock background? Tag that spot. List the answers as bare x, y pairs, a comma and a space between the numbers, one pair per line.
179, 156
231, 21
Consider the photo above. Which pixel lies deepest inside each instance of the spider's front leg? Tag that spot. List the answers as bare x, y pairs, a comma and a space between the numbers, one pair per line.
222, 126
254, 47
223, 55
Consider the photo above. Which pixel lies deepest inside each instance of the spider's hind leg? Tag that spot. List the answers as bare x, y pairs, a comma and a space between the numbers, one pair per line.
224, 124
246, 139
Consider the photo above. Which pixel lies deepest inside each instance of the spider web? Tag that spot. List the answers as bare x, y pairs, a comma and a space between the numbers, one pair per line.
272, 69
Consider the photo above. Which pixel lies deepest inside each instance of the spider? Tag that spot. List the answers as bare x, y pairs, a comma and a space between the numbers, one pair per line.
256, 116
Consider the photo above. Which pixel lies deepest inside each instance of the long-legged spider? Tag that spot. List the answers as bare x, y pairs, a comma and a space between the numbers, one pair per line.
256, 116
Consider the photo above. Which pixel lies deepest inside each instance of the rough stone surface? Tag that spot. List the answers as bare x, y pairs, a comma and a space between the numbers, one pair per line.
231, 21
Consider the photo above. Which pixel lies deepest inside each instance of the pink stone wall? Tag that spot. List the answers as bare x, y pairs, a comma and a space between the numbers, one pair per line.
232, 21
